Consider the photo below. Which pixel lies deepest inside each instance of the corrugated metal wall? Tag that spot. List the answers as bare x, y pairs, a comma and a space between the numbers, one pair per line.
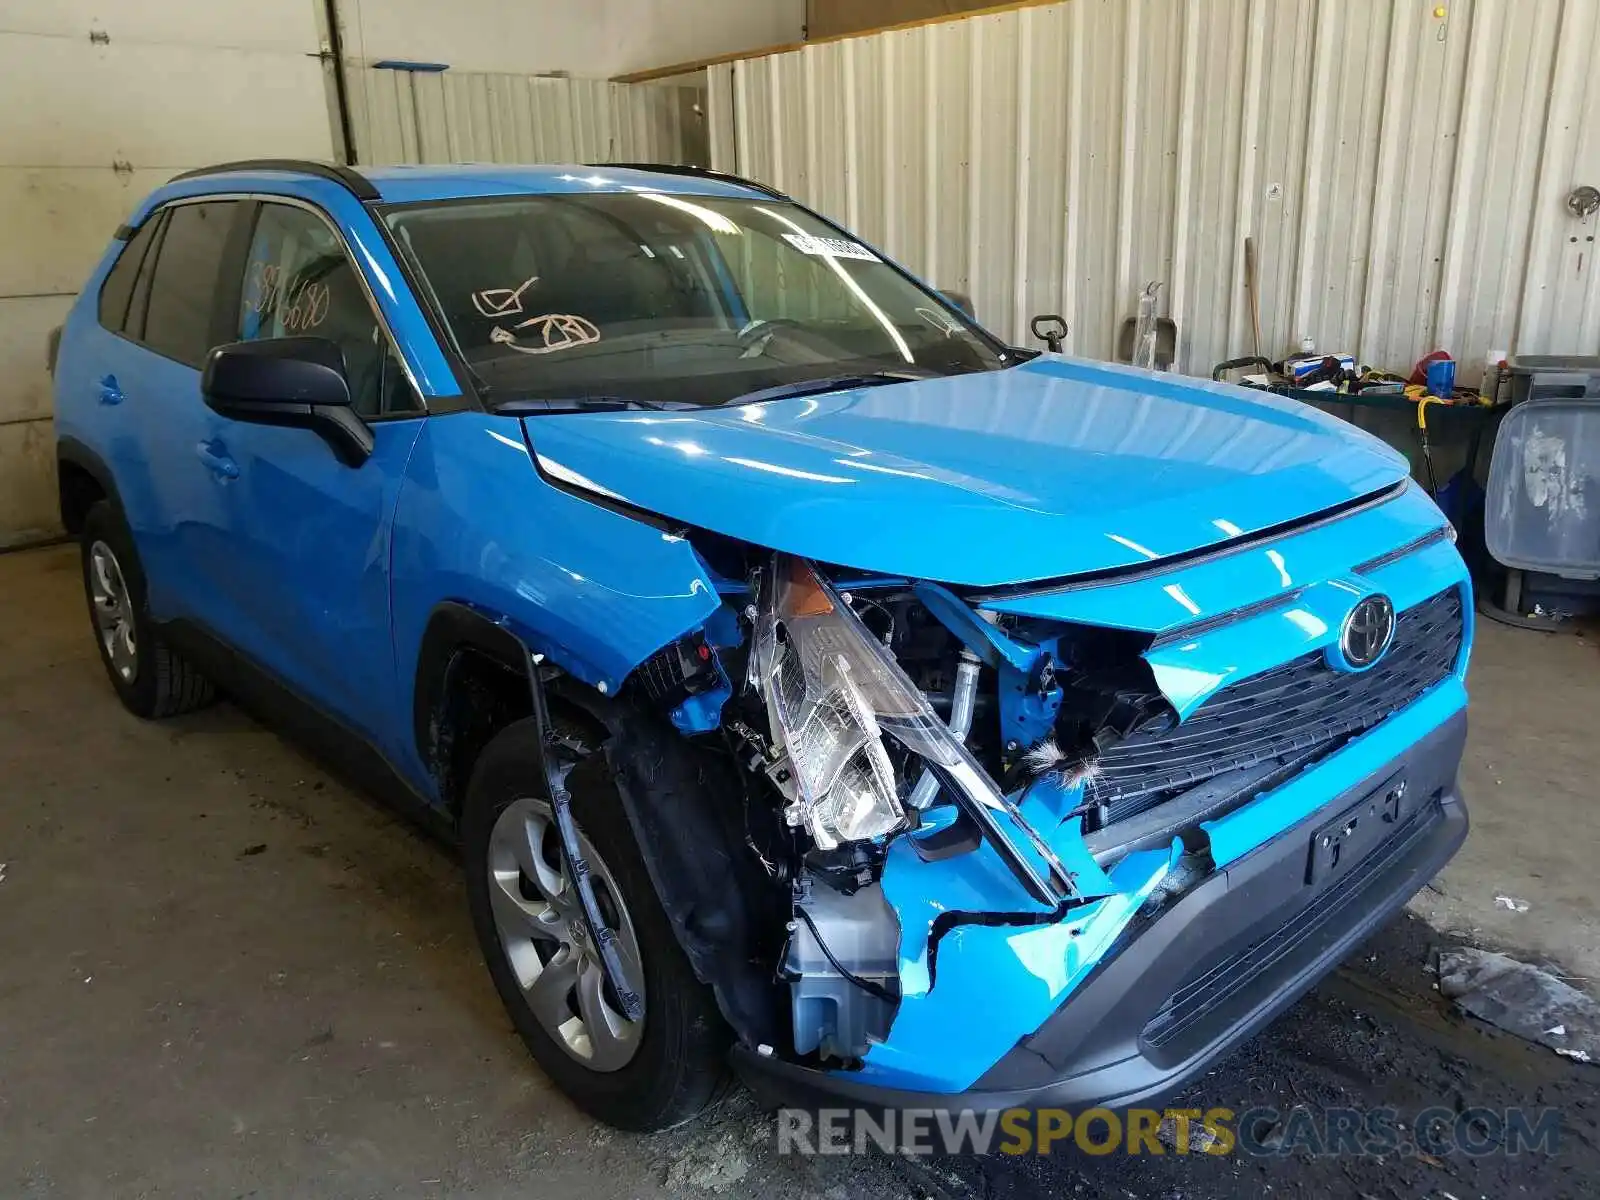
465, 116
1404, 176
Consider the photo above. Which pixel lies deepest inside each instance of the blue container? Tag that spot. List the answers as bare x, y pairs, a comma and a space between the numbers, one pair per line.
1442, 377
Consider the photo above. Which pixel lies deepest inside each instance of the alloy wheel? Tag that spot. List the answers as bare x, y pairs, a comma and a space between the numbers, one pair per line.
548, 942
113, 611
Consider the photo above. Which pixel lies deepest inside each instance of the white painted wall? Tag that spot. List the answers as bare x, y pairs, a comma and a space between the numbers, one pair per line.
87, 128
587, 38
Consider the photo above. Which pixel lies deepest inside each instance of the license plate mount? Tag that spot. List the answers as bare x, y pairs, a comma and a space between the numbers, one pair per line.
1352, 835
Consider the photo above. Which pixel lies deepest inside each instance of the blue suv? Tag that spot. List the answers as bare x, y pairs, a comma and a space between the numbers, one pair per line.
816, 685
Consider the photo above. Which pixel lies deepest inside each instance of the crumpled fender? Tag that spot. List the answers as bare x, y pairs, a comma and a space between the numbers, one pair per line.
594, 589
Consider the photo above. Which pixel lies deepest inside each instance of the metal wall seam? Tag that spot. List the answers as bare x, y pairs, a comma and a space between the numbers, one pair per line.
1244, 196
719, 106
1073, 207
1020, 272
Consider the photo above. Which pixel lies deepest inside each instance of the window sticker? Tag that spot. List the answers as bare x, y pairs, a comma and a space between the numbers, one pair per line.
547, 334
828, 247
501, 302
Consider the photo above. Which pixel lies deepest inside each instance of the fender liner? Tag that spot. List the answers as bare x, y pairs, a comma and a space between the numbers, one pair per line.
678, 805
452, 627
683, 803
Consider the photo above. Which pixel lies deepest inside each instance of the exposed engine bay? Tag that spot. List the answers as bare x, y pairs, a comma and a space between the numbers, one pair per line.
879, 717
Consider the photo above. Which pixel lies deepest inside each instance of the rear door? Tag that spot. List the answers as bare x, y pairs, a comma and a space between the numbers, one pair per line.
309, 536
162, 317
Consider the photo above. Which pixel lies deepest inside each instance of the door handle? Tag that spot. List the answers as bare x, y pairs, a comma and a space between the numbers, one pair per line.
110, 392
217, 461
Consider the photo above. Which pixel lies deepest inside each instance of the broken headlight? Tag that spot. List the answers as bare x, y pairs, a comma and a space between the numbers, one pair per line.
833, 693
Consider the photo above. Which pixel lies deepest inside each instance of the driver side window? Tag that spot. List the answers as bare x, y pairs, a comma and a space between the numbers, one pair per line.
299, 282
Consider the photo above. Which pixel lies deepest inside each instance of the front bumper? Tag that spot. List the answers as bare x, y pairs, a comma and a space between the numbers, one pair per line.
1207, 973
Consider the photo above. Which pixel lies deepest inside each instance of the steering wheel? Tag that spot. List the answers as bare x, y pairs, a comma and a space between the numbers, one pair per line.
762, 325
755, 336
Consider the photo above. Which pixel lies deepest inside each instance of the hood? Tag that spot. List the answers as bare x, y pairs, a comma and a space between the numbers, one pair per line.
1054, 467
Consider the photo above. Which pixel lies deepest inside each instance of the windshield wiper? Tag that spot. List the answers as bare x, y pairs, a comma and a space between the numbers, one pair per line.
832, 383
552, 406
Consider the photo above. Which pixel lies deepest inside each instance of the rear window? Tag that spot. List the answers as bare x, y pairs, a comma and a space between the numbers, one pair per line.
117, 290
183, 290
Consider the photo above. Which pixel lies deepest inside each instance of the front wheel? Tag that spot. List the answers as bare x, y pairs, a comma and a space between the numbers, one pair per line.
646, 1074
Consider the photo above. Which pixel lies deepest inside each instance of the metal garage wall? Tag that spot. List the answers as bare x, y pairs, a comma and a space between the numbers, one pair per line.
464, 116
1404, 176
94, 112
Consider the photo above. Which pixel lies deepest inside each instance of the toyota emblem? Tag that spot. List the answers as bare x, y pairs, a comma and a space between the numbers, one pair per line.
1367, 631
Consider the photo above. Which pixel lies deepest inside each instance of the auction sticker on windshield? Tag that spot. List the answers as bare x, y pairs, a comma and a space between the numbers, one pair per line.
829, 247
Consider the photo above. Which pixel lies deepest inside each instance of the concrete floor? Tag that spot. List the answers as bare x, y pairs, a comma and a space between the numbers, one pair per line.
222, 972
1532, 783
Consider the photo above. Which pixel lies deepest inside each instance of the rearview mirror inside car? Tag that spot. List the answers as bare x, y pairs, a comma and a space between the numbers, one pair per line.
294, 381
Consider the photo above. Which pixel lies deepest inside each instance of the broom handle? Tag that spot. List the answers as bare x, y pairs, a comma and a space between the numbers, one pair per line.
1250, 290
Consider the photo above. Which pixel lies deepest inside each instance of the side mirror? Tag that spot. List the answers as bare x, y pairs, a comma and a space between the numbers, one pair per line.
1051, 329
294, 381
960, 300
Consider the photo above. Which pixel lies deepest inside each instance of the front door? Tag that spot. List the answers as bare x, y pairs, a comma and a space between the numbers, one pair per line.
310, 560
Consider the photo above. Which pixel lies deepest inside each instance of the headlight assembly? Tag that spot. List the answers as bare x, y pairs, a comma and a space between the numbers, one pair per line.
827, 684
833, 695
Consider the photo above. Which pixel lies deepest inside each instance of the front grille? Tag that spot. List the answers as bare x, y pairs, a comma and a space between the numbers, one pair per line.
1303, 705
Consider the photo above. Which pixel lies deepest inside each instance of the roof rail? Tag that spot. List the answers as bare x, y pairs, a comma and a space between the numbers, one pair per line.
347, 177
696, 172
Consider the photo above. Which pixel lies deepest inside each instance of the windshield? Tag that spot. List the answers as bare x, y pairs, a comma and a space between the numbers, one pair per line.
651, 297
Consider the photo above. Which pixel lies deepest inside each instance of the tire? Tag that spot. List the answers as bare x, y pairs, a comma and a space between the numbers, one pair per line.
678, 1060
150, 678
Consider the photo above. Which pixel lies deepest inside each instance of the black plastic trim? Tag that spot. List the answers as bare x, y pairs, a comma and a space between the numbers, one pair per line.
345, 751
1422, 543
1245, 611
353, 181
131, 231
448, 406
71, 450
694, 172
1093, 1050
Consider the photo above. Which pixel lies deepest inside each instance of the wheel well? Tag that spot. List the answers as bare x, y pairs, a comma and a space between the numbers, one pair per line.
684, 800
481, 695
79, 491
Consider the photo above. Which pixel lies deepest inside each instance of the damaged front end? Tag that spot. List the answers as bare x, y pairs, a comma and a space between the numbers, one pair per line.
875, 729
970, 809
